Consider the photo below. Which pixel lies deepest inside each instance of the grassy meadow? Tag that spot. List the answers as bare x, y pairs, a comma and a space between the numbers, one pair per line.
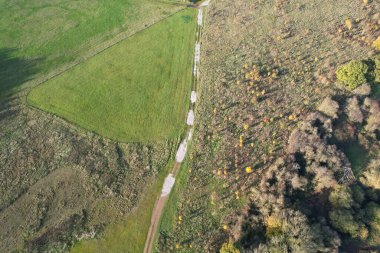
39, 36
135, 91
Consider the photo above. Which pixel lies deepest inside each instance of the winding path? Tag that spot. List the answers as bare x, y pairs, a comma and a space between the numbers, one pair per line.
182, 149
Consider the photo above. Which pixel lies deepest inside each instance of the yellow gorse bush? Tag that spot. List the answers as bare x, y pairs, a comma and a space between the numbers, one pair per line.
273, 224
228, 247
348, 24
376, 44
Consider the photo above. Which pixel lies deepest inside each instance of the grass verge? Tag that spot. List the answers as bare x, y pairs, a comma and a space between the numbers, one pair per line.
169, 215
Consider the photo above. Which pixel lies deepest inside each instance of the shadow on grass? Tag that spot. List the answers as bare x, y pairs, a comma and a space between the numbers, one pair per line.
14, 71
7, 109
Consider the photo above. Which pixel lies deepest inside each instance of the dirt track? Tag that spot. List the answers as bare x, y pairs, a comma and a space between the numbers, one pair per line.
156, 215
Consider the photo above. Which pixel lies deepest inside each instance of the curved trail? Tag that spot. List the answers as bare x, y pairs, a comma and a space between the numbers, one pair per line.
181, 153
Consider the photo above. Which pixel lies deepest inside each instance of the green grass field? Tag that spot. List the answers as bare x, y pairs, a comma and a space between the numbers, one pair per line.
136, 91
37, 36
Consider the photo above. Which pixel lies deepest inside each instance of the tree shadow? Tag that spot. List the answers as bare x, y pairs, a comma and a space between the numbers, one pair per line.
15, 71
8, 108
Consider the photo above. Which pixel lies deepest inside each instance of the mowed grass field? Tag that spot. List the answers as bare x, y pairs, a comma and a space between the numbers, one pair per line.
37, 36
135, 91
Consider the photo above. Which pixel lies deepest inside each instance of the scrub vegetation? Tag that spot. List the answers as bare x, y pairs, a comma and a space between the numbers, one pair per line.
285, 155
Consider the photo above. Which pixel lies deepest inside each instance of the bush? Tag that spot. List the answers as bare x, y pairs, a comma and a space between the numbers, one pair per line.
329, 107
229, 247
353, 110
376, 44
377, 68
377, 61
352, 74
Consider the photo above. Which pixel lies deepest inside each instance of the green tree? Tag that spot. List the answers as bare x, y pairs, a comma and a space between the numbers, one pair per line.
358, 194
371, 176
372, 219
344, 222
341, 197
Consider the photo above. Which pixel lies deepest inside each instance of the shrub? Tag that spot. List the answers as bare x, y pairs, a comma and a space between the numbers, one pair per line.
377, 68
329, 107
377, 75
376, 44
348, 23
273, 225
353, 110
373, 121
228, 247
352, 74
377, 61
